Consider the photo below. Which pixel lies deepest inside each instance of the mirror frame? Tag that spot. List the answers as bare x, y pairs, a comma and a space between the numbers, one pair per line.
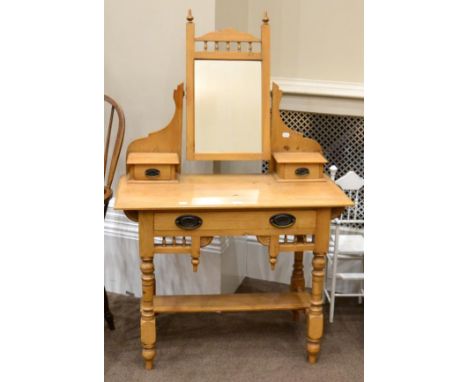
235, 40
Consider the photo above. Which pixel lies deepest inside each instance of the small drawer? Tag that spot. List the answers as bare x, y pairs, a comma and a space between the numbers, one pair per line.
153, 166
300, 171
153, 172
299, 166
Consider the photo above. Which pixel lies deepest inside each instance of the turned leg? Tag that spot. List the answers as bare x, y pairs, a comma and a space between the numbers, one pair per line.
147, 319
315, 312
297, 278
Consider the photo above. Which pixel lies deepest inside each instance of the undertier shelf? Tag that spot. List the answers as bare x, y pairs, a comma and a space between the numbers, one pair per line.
239, 302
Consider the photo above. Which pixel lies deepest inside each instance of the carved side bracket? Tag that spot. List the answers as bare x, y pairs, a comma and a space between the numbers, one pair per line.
275, 246
168, 139
284, 138
192, 249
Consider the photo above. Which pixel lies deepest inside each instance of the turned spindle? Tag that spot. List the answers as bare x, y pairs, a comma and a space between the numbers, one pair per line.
195, 252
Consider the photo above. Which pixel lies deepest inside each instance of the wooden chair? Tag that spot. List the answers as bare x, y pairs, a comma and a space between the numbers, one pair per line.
346, 241
110, 172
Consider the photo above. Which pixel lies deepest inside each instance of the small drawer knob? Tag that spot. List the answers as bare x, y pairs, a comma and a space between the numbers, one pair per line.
302, 171
282, 220
189, 222
152, 172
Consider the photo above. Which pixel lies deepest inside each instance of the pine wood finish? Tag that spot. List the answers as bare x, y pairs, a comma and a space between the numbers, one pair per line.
299, 166
233, 41
164, 163
231, 302
166, 140
233, 205
232, 192
283, 138
181, 217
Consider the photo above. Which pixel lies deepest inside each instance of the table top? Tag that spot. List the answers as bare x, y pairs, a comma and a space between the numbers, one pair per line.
220, 192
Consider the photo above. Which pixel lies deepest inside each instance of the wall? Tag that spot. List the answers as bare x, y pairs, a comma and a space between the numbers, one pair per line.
144, 53
312, 39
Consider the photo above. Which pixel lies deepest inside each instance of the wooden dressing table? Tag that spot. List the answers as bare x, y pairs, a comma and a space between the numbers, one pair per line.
186, 211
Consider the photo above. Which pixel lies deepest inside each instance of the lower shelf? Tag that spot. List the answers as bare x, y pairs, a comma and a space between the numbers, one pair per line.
238, 302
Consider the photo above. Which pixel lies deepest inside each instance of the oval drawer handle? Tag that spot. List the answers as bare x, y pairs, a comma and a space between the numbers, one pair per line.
188, 222
302, 171
282, 220
152, 172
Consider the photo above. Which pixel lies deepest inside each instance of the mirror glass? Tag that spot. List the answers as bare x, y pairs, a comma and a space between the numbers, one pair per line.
228, 106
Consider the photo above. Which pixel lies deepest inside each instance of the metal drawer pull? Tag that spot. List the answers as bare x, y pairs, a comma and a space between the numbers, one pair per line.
188, 222
302, 171
282, 220
152, 172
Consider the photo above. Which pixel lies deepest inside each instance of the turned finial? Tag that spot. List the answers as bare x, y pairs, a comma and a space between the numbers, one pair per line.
265, 18
189, 16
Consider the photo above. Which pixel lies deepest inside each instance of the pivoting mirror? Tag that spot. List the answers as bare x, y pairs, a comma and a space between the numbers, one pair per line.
228, 97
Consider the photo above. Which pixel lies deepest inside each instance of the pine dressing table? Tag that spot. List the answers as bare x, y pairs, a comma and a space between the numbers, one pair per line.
288, 210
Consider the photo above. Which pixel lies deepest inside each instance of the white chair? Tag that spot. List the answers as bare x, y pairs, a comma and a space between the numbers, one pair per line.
346, 241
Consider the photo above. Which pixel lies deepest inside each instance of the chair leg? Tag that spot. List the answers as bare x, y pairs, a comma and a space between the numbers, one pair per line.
361, 284
334, 269
333, 289
107, 313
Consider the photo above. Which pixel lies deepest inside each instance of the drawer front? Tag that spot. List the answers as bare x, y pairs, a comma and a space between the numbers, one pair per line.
300, 171
235, 223
154, 172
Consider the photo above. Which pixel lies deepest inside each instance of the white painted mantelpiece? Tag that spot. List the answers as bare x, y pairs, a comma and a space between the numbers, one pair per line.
325, 97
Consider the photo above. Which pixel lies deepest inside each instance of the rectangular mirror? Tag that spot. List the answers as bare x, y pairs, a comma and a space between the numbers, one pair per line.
228, 94
228, 107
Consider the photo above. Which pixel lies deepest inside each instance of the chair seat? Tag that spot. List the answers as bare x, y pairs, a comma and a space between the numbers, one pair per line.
350, 276
350, 244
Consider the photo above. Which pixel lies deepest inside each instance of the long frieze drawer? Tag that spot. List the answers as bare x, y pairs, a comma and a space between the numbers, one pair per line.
235, 222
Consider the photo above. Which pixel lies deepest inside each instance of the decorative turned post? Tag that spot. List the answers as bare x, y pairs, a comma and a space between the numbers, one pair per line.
297, 278
315, 311
265, 48
147, 320
195, 252
190, 72
273, 250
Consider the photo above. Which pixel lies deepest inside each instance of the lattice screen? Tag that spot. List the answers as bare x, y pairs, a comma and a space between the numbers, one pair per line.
341, 137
